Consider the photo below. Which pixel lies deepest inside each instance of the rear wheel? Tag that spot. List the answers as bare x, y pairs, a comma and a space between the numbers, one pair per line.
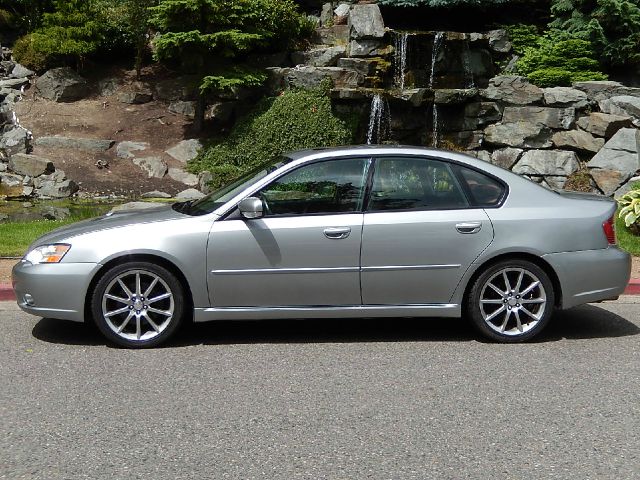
138, 304
511, 301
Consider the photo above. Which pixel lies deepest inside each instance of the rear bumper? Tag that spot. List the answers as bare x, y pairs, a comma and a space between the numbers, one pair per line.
54, 290
591, 275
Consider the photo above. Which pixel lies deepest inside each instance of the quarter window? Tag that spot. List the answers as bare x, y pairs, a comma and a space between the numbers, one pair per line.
484, 190
414, 184
333, 186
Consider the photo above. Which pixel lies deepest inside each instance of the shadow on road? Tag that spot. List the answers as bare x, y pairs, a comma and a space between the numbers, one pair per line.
579, 323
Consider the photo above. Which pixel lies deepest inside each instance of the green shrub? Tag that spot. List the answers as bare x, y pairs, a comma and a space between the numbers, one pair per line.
24, 53
522, 37
558, 60
295, 120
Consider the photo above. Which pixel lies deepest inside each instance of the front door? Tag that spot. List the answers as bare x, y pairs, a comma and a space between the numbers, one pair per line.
420, 233
305, 251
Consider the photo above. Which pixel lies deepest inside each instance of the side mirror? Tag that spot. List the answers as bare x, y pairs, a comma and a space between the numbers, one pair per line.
251, 207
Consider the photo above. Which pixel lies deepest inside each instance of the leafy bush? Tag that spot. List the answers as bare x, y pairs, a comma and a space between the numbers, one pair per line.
522, 36
558, 60
612, 26
630, 210
445, 3
295, 120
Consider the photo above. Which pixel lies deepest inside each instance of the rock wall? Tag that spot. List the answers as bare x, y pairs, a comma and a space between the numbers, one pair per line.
440, 89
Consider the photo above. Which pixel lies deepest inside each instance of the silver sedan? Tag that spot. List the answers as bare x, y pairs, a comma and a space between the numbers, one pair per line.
348, 232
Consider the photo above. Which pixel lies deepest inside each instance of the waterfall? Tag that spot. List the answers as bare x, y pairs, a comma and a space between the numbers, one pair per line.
379, 120
434, 141
400, 58
466, 65
437, 44
438, 40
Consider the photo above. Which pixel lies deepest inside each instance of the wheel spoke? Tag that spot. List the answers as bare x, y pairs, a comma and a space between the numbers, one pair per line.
152, 323
150, 289
125, 323
117, 299
507, 285
518, 321
528, 312
533, 300
159, 297
529, 288
496, 289
116, 312
495, 314
138, 287
519, 282
125, 288
166, 313
506, 319
491, 301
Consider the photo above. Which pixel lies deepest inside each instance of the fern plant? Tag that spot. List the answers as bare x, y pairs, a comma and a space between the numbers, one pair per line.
630, 210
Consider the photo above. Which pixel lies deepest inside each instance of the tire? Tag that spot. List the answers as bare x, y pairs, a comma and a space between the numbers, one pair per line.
138, 304
511, 301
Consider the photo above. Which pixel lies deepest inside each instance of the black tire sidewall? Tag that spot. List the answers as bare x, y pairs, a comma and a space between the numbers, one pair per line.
178, 302
473, 301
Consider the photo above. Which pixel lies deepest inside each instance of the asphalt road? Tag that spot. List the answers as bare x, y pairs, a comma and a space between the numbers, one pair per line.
344, 399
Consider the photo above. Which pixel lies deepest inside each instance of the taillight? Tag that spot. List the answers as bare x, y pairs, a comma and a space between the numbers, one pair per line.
609, 231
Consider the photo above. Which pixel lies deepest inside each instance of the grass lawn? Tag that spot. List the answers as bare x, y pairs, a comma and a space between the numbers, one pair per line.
17, 236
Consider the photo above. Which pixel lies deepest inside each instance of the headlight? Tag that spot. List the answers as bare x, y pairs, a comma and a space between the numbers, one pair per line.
47, 253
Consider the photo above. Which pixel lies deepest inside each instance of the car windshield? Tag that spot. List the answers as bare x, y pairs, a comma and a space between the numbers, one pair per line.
221, 196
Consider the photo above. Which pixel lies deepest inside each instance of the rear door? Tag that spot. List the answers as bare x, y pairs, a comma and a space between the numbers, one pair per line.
420, 233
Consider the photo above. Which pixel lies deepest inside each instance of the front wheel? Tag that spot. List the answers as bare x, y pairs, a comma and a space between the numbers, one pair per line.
511, 301
138, 304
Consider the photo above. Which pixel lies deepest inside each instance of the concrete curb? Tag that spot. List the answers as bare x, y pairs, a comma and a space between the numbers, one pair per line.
6, 291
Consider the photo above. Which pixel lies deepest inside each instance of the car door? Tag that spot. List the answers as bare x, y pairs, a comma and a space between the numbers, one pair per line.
420, 233
304, 251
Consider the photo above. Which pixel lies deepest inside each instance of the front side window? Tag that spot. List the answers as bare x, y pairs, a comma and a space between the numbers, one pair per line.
333, 186
414, 184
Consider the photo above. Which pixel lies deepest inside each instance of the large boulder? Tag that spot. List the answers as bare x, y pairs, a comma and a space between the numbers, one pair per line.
547, 163
155, 167
558, 118
499, 41
479, 114
365, 21
452, 96
127, 149
186, 108
366, 47
512, 89
16, 140
506, 157
62, 85
364, 66
320, 57
84, 144
20, 71
31, 165
136, 94
598, 90
617, 161
189, 194
55, 185
179, 175
185, 150
625, 105
14, 83
577, 140
565, 97
603, 124
519, 135
310, 77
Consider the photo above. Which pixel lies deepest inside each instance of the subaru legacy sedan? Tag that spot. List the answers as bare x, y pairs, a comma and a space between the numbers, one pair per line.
346, 232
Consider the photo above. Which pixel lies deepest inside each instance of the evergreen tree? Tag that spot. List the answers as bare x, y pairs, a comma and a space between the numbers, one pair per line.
213, 37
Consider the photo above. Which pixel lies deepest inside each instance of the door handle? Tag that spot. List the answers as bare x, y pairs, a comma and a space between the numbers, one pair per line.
469, 227
337, 233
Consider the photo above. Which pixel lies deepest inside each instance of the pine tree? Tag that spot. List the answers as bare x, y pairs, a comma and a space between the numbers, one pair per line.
213, 38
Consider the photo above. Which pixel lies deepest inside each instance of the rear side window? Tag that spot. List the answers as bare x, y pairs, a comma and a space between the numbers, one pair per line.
484, 190
414, 184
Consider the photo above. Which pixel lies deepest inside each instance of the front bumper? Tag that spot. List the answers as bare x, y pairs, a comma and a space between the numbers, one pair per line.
591, 275
55, 290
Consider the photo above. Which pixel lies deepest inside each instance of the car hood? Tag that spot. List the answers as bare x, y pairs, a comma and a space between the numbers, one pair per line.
110, 220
